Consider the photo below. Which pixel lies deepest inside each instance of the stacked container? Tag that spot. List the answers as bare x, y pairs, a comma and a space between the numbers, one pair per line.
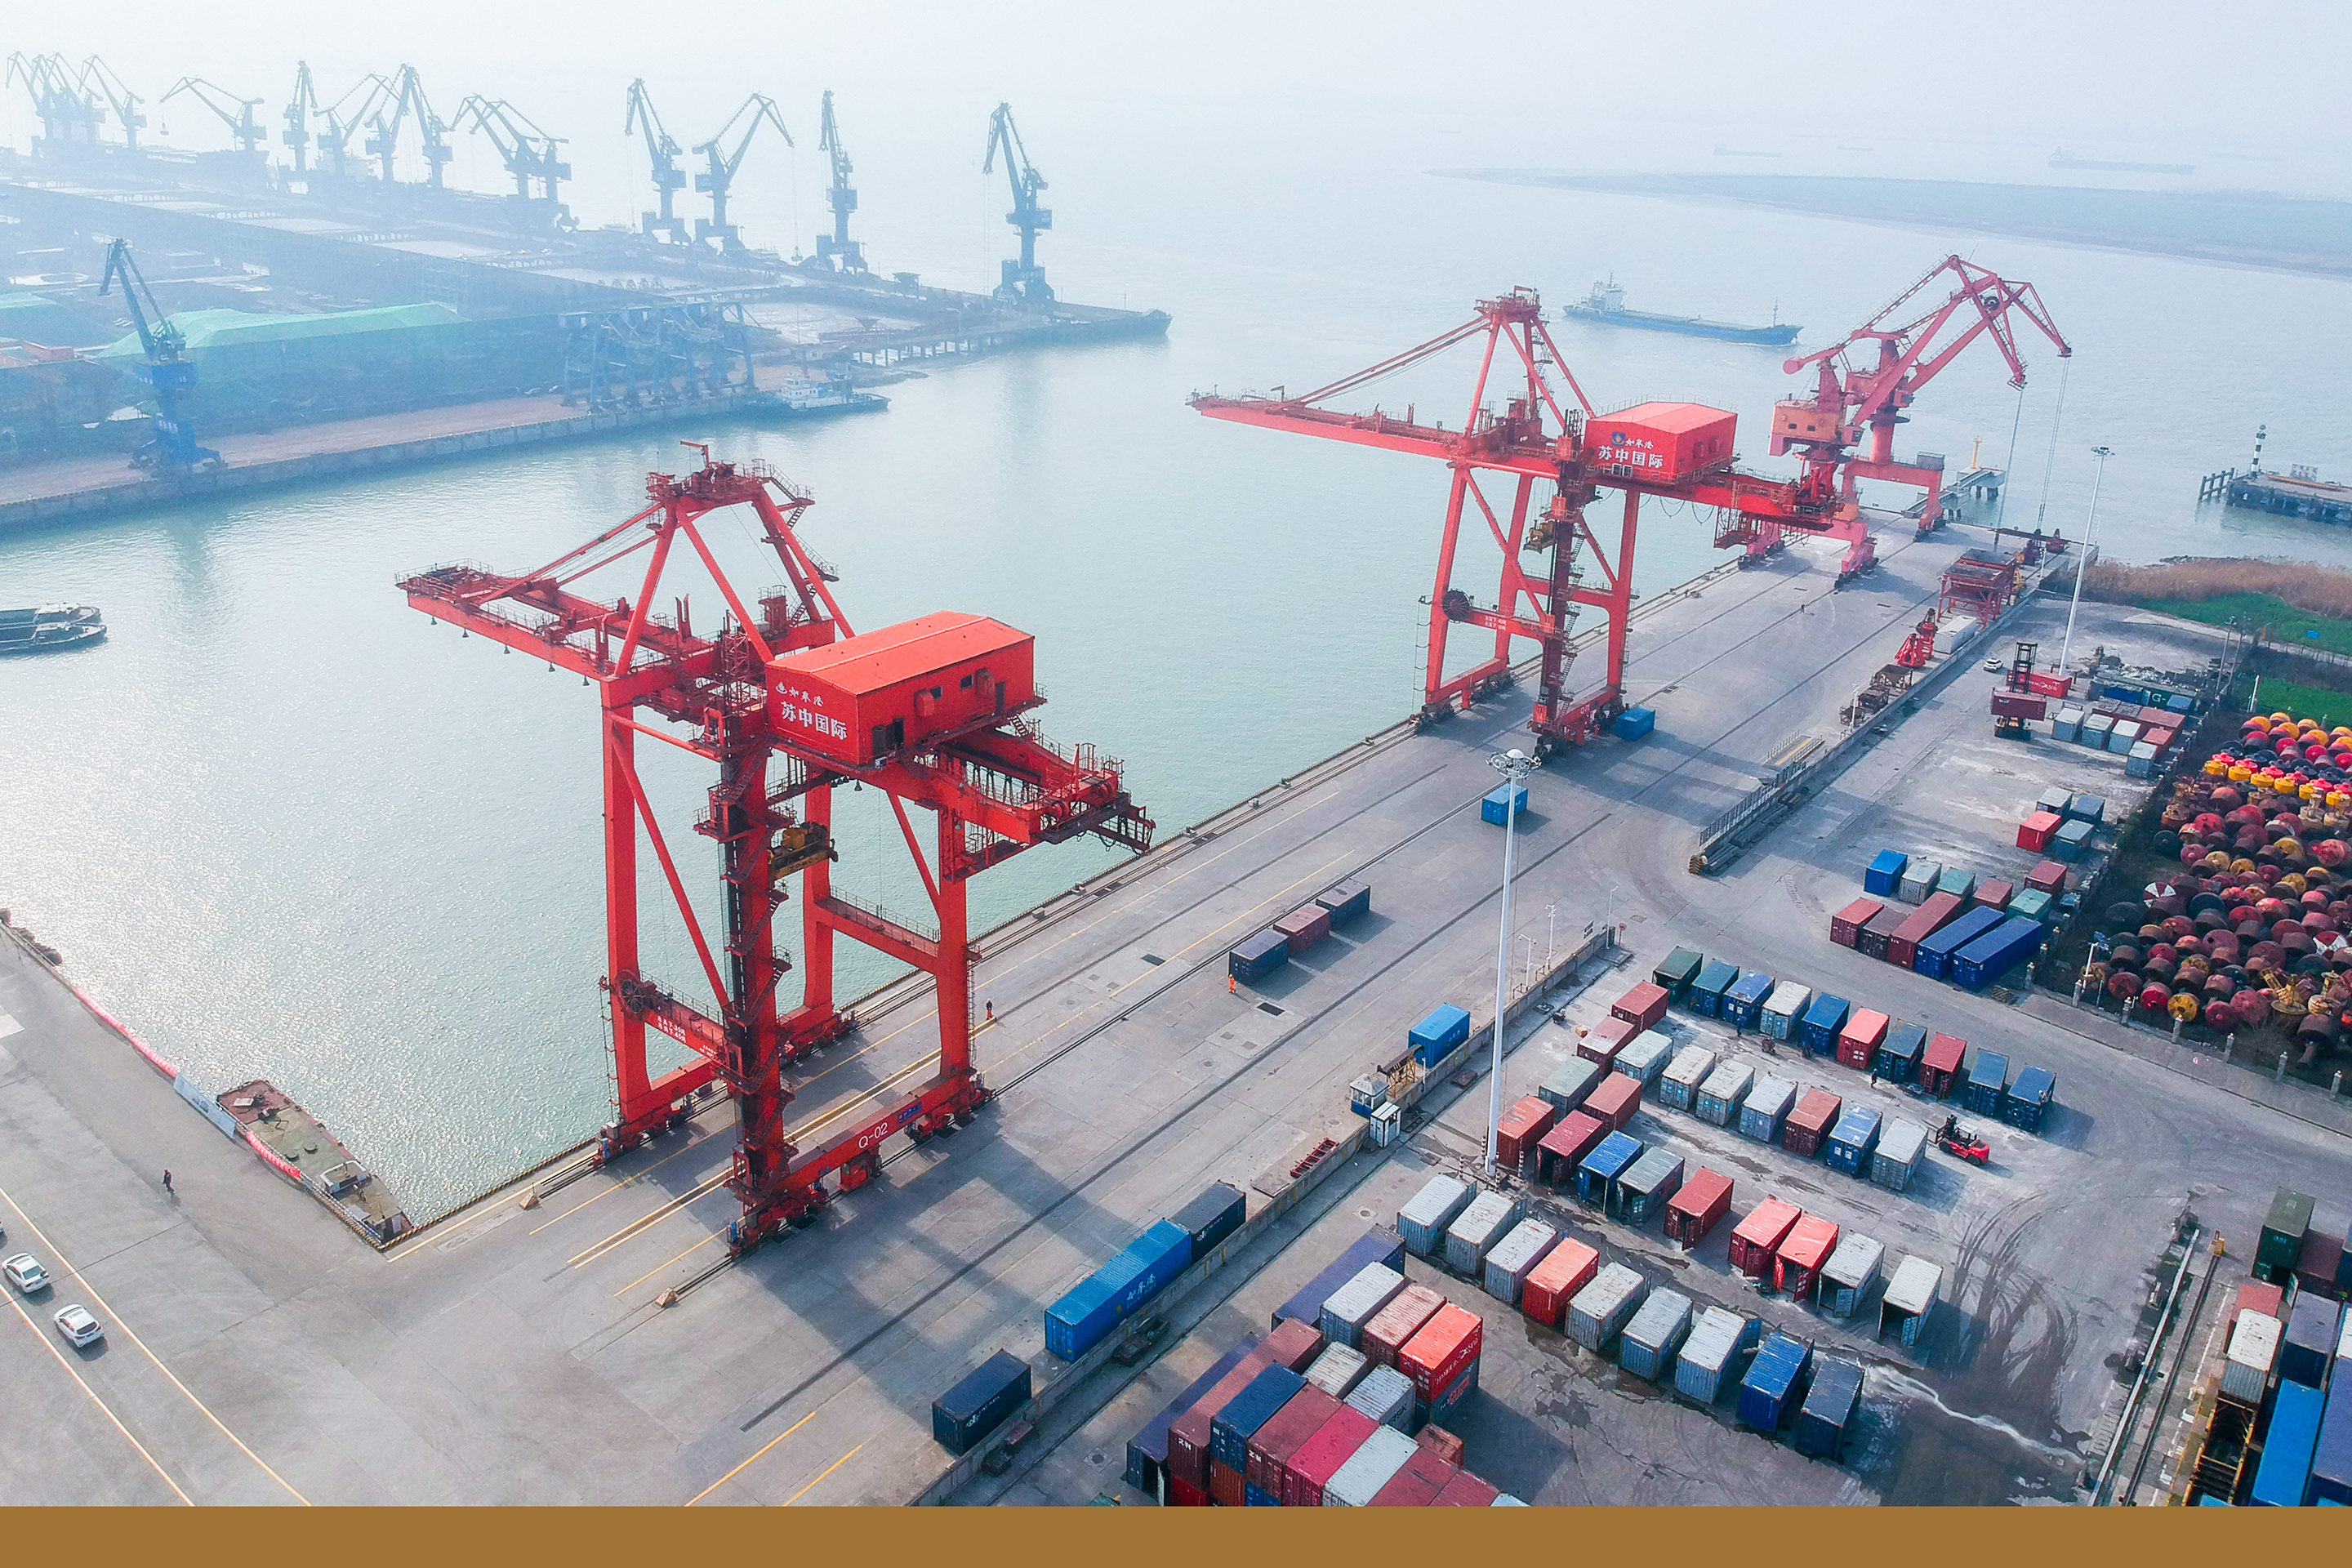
1723, 1091
1755, 1240
1645, 1057
1352, 1305
1647, 1185
1652, 1335
1422, 1221
1386, 1396
1828, 1411
1605, 1306
1743, 1004
1336, 1371
1849, 1145
1846, 925
1766, 1106
1315, 1461
1192, 1435
1443, 1359
1479, 1227
1698, 1208
2281, 1241
1678, 1085
1858, 1041
1522, 1127
1783, 1008
1775, 1382
1847, 1277
1397, 1322
1816, 1111
1900, 1150
1278, 1440
1372, 1467
1596, 1178
2284, 1477
1514, 1258
1824, 1017
2252, 1357
1796, 1263
1566, 1269
1910, 1296
1710, 1356
1147, 1451
1565, 1146
2309, 1344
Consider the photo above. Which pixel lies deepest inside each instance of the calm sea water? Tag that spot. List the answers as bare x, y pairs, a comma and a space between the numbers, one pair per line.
290, 828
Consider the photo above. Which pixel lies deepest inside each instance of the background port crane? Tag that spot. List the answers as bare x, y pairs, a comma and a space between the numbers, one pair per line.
407, 96
68, 114
232, 112
1024, 281
371, 93
720, 177
527, 153
99, 78
298, 110
663, 153
837, 251
166, 369
937, 716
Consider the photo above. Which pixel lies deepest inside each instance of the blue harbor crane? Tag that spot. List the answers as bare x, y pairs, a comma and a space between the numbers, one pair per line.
344, 116
167, 369
528, 153
99, 78
837, 250
408, 98
663, 150
721, 175
1025, 280
305, 103
232, 112
68, 113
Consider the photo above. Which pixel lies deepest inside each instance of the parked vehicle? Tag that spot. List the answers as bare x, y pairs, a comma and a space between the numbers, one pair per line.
80, 1329
26, 1273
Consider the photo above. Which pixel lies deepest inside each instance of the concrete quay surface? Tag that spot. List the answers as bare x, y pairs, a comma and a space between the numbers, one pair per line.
516, 1355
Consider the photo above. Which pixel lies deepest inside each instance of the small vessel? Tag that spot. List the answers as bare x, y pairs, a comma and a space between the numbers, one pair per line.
47, 628
2061, 159
1607, 303
298, 1147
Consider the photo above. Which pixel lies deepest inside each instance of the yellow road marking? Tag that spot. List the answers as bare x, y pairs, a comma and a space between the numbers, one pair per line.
151, 1356
74, 1372
597, 1249
828, 1470
616, 1186
763, 1449
665, 1263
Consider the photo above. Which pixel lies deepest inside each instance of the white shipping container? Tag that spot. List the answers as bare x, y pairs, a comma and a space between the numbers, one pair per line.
1486, 1222
1602, 1308
1919, 880
1422, 1221
1385, 1394
1955, 632
1783, 1008
1515, 1257
1356, 1483
2254, 1350
1768, 1102
1678, 1089
1703, 1368
1654, 1335
1897, 1159
1336, 1371
1910, 1296
1720, 1098
1346, 1310
1644, 1057
1849, 1274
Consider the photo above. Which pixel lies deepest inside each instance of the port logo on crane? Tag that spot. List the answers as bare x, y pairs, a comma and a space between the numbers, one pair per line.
1632, 452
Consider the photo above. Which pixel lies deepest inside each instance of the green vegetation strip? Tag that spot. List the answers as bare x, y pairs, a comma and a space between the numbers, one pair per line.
2288, 627
2330, 708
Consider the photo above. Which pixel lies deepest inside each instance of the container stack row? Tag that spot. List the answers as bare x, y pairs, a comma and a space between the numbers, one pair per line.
1263, 952
1960, 927
2286, 1373
1086, 1313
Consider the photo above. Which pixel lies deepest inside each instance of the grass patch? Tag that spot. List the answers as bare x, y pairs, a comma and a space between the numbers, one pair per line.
2288, 627
2330, 708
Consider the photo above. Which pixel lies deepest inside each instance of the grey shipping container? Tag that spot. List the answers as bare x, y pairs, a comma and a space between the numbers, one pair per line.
1766, 1106
2066, 725
1909, 1298
970, 1411
1386, 1396
1356, 1483
1565, 1087
2281, 1242
1422, 1221
1216, 1215
1709, 1361
1900, 1150
1351, 1306
1378, 1244
1918, 881
1847, 1277
1644, 1057
1509, 1260
1720, 1097
1602, 1308
1654, 1335
1338, 1370
1827, 1414
1346, 901
1646, 1184
1486, 1222
1783, 1008
2253, 1354
1679, 1086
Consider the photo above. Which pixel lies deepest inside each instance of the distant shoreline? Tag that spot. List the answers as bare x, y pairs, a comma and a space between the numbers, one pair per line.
2251, 230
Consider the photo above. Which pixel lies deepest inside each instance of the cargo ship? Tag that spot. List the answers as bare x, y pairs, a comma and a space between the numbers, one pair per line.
1606, 303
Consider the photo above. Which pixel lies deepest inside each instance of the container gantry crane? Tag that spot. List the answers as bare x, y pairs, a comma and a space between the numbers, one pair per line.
1679, 451
662, 151
1864, 381
528, 152
1024, 282
99, 78
298, 110
718, 178
787, 704
232, 112
837, 251
164, 367
70, 115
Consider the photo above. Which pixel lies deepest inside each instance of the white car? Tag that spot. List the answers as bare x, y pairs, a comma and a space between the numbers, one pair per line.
80, 1330
26, 1273
1995, 666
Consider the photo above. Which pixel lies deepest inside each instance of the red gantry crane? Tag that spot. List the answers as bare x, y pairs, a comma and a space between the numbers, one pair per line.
787, 703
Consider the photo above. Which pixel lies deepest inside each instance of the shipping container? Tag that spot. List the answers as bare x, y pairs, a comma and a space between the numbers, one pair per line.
1521, 1127
1604, 1040
1378, 1244
1848, 1276
1147, 1451
1796, 1263
1652, 1335
2025, 1105
1233, 1427
1757, 1238
1088, 1312
1934, 957
2281, 1241
2123, 737
1677, 970
872, 696
1932, 916
1858, 1041
1958, 882
2070, 843
1645, 1057
1884, 875
1783, 1008
1775, 1382
1446, 1347
1723, 1091
1678, 1085
1566, 1269
1565, 1146
2094, 730
1872, 941
1766, 1106
1743, 1004
1279, 1439
1338, 1370
1566, 1086
1397, 1322
1352, 1305
1898, 1058
1417, 1482
1901, 1147
1997, 952
1486, 1222
1372, 1467
2260, 1295
1987, 1082
1662, 443
2048, 876
2251, 1358
1295, 1344
1697, 1209
1909, 1298
1635, 723
1596, 1177
2066, 724
1848, 1147
1514, 1258
1648, 1185
2309, 1344
1315, 1461
1189, 1435
1423, 1220
1304, 927
2140, 763
1711, 1357
1706, 994
1386, 1396
1614, 1101
1816, 1113
1208, 1219
1255, 957
1504, 803
2023, 705
1994, 895
1437, 1036
1845, 926
1605, 1306
2331, 1457
2031, 903
1466, 1491
2320, 1265
1939, 1065
978, 1402
1348, 902
1226, 1488
1642, 1006
1920, 879
2283, 1480
1828, 1411
1823, 1018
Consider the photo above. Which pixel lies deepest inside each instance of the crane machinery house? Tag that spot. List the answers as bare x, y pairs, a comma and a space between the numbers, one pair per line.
866, 697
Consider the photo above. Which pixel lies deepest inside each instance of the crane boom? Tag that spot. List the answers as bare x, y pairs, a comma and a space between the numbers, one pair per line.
662, 151
718, 178
836, 249
298, 110
1023, 281
68, 112
232, 112
164, 367
528, 152
99, 78
335, 141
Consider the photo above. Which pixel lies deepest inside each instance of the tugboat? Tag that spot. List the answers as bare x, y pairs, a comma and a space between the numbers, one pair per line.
1607, 303
46, 629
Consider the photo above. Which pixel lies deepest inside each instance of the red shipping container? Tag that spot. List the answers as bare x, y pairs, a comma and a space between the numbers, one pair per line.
1183, 1494
1642, 1006
1188, 1435
1295, 1344
1758, 1236
1847, 923
1994, 895
1565, 1146
2036, 831
1440, 1442
1394, 1325
1939, 1064
1933, 914
2050, 685
1554, 1282
2161, 739
1816, 1113
880, 693
1605, 1039
1226, 1486
1466, 1491
1662, 442
1416, 1483
1305, 926
1697, 1206
1516, 1133
1272, 1445
2048, 876
1797, 1265
2254, 1296
1319, 1458
1447, 1344
2018, 705
1613, 1102
1858, 1042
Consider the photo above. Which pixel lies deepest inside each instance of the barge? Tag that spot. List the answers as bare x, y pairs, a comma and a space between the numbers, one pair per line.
1606, 304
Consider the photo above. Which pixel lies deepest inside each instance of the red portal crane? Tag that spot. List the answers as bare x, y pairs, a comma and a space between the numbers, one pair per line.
1849, 399
787, 704
1680, 450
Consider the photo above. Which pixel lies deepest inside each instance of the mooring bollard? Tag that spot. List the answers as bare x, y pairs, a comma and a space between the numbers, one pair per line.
2336, 1088
2280, 1076
2230, 1046
2176, 1031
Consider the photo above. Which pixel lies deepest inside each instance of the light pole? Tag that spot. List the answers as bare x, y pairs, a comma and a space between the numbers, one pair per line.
2082, 565
1514, 766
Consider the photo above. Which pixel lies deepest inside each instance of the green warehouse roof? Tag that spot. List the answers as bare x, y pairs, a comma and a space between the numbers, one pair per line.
241, 329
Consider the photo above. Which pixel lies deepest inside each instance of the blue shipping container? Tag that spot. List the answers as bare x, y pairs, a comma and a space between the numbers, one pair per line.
1635, 723
1438, 1034
2028, 1100
1706, 992
1933, 956
1996, 952
1252, 960
1774, 1382
1090, 1310
972, 1409
1850, 1141
1883, 878
1231, 1428
2331, 1457
1743, 1004
1498, 806
1610, 1159
1987, 1082
2284, 1477
1377, 1245
1147, 1451
1823, 1022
